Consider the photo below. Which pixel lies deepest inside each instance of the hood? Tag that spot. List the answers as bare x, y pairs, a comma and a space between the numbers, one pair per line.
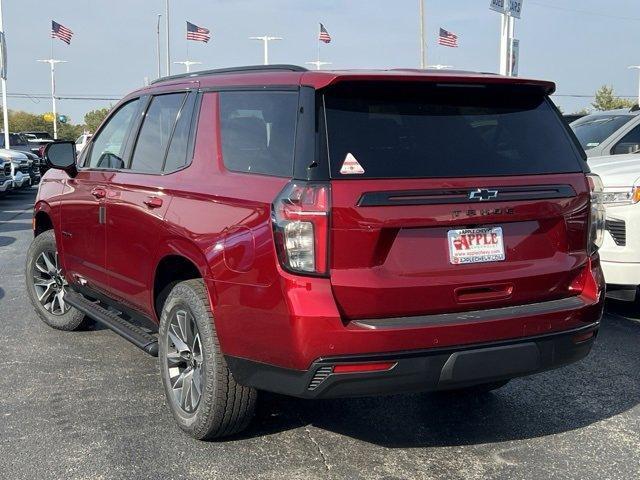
617, 170
13, 155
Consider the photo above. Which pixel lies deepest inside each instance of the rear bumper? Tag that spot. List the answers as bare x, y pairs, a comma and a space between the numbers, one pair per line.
426, 370
621, 273
308, 326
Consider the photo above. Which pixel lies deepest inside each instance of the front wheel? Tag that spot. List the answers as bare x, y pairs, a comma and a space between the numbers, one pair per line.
46, 285
202, 395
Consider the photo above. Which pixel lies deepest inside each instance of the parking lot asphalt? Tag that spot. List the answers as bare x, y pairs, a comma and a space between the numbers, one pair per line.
88, 405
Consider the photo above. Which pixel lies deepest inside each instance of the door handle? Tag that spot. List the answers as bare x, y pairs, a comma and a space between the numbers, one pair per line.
153, 202
99, 192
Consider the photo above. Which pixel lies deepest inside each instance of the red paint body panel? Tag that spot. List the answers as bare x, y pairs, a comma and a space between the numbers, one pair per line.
394, 260
384, 261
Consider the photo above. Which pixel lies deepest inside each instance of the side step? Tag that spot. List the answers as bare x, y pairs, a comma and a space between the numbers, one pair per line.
111, 320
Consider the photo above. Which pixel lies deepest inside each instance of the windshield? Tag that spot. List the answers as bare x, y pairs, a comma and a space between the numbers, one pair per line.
592, 130
444, 131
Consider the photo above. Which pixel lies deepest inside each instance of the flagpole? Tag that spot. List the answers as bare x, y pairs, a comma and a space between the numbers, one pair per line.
423, 50
168, 43
157, 44
53, 94
510, 33
3, 80
53, 99
187, 40
318, 42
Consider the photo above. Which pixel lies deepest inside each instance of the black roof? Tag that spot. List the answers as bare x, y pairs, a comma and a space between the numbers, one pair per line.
219, 71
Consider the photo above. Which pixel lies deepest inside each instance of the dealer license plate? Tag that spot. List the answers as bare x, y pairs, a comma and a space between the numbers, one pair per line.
475, 245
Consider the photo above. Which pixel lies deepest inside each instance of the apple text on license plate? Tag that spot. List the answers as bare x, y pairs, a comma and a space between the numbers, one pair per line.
475, 245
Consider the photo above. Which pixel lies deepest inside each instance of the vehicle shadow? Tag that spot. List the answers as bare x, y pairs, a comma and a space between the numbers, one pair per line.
1, 293
603, 385
5, 241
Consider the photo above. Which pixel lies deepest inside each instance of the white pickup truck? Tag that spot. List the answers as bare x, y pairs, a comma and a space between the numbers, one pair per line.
620, 252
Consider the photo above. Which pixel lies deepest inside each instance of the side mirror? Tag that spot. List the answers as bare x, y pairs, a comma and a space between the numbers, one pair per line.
61, 155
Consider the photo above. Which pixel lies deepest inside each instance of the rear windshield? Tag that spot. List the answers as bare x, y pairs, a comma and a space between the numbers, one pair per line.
592, 130
411, 131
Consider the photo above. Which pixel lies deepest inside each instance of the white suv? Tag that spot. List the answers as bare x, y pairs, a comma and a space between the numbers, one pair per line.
620, 252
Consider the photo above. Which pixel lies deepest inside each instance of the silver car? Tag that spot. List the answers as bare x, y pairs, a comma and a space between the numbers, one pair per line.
19, 167
614, 132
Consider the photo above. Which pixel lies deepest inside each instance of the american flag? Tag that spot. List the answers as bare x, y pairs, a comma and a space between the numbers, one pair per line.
61, 32
197, 34
448, 39
324, 35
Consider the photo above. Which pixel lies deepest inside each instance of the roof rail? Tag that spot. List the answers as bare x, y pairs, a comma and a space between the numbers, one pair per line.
245, 69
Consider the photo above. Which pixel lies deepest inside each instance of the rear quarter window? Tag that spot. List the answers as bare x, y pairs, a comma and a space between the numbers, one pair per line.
258, 131
413, 131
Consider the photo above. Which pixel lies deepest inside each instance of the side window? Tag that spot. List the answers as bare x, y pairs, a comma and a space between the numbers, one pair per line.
155, 133
108, 146
177, 154
258, 131
630, 143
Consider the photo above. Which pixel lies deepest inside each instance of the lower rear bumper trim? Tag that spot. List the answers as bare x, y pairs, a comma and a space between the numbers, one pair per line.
415, 371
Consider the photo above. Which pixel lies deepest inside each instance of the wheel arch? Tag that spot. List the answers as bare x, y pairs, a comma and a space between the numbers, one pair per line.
176, 261
41, 223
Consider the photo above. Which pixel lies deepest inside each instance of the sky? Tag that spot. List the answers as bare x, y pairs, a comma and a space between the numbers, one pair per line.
579, 44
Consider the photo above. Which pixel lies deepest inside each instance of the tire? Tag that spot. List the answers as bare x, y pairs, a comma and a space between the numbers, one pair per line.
48, 301
220, 407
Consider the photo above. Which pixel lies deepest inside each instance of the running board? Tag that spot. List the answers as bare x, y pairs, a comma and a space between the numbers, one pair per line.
113, 321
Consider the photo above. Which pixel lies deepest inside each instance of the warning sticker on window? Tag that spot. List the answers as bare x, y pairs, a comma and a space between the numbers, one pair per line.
350, 166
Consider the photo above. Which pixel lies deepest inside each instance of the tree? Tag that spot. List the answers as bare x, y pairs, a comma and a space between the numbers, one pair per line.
20, 121
94, 118
606, 100
69, 131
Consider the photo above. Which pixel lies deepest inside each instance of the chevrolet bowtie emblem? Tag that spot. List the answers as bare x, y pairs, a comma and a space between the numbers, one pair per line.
482, 194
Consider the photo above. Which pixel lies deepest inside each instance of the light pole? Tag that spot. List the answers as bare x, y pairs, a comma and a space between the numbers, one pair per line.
188, 63
158, 44
265, 40
3, 79
423, 47
318, 64
637, 67
52, 63
166, 13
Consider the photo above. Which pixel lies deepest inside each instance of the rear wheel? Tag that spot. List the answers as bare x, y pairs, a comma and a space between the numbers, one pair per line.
201, 393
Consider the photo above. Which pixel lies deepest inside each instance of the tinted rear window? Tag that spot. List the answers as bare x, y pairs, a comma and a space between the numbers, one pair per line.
411, 131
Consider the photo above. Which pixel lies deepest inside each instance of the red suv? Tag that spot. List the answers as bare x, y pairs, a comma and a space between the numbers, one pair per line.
325, 234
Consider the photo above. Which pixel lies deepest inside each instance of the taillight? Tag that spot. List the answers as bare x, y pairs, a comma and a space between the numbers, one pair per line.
300, 217
597, 215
